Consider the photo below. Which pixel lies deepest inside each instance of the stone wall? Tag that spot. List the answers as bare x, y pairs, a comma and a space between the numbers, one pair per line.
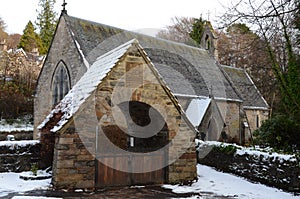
256, 117
73, 164
230, 111
19, 135
18, 156
273, 171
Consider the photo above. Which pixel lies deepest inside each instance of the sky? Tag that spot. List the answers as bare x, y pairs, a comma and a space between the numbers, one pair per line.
129, 14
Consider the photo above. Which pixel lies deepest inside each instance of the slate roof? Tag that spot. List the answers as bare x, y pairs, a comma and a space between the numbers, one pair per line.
185, 69
247, 89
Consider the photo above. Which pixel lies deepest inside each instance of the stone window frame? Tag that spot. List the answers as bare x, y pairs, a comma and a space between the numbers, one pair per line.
61, 82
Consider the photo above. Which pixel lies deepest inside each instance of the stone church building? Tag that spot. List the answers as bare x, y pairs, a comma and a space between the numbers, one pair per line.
114, 107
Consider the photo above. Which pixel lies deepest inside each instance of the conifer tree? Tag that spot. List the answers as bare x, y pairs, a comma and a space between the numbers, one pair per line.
198, 28
30, 39
46, 23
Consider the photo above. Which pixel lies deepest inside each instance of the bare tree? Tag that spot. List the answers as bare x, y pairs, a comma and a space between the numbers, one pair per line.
13, 41
272, 21
4, 66
240, 47
179, 30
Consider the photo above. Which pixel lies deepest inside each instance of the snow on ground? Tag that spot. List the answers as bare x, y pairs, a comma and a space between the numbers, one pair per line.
10, 182
210, 181
21, 143
266, 153
225, 184
4, 127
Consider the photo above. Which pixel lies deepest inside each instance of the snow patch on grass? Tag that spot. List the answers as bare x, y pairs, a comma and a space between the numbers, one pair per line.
22, 143
11, 183
265, 153
227, 185
5, 127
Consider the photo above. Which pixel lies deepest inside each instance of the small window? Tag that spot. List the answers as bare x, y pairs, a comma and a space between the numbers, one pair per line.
207, 42
257, 121
60, 83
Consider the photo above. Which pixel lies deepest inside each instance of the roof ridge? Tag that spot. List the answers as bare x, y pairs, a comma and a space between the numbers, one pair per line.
137, 33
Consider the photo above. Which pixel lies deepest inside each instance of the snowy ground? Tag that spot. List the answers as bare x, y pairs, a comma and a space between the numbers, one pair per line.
225, 184
211, 183
10, 183
5, 127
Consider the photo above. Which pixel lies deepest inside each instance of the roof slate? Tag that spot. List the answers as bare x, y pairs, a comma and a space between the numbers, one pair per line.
185, 69
247, 89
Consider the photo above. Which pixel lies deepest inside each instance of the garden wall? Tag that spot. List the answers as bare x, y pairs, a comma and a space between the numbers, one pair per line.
18, 156
19, 135
273, 169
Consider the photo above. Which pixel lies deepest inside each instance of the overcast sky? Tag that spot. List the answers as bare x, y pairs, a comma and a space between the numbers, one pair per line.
126, 14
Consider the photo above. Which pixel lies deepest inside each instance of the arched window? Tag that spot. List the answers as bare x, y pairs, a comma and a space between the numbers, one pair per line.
60, 83
207, 42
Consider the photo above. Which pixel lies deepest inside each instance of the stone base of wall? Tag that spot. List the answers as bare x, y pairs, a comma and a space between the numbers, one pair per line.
18, 156
275, 172
183, 170
74, 166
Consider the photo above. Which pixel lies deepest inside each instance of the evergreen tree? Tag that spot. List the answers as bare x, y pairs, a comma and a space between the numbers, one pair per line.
46, 22
239, 28
30, 39
198, 28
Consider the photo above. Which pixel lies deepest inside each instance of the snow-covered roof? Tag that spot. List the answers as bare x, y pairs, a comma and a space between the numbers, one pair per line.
197, 109
86, 85
17, 51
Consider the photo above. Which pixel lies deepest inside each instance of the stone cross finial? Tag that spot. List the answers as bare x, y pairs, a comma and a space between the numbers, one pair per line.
64, 6
208, 15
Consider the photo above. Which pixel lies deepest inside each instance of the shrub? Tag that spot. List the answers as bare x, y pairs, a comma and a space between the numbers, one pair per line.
279, 132
34, 169
228, 149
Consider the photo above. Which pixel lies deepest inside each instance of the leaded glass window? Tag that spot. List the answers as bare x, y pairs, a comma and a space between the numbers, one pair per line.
60, 83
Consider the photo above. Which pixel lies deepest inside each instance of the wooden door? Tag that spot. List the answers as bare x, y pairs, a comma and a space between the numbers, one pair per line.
108, 176
142, 154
